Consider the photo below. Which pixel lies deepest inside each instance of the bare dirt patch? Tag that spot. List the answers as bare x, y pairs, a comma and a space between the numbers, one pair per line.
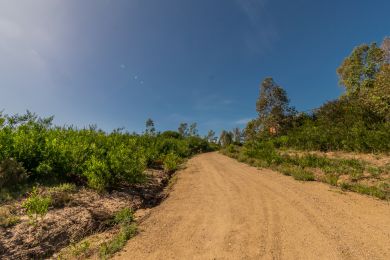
75, 216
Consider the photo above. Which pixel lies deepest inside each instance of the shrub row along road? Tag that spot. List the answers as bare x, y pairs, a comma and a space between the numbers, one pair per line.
223, 209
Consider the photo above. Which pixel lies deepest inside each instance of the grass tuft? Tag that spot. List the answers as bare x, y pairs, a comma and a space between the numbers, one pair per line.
118, 242
368, 190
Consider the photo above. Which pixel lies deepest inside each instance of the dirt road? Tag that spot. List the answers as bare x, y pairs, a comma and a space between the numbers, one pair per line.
223, 209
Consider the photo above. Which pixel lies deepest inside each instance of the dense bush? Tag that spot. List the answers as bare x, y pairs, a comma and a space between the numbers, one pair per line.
11, 173
171, 162
101, 160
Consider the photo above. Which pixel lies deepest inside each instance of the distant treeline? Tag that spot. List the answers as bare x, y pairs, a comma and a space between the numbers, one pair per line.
359, 120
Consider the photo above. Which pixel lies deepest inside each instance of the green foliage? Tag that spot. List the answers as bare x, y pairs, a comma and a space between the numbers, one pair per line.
118, 242
64, 187
368, 190
128, 229
358, 71
97, 174
80, 249
171, 134
297, 172
273, 108
263, 154
357, 121
171, 162
84, 156
263, 150
36, 204
124, 216
302, 175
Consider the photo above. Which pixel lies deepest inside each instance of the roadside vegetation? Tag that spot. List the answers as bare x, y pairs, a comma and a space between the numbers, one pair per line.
283, 139
45, 169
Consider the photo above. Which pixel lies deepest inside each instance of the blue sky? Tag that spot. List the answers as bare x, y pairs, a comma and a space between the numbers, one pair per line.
116, 63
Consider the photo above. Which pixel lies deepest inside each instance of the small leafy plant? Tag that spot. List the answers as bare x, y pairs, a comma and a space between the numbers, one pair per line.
125, 219
36, 205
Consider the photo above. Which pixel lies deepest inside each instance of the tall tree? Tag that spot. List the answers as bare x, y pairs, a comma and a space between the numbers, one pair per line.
193, 131
357, 72
210, 136
251, 130
378, 98
237, 135
183, 129
272, 105
150, 130
386, 48
226, 138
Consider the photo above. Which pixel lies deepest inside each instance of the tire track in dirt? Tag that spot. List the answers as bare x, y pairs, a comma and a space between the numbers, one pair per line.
335, 233
223, 209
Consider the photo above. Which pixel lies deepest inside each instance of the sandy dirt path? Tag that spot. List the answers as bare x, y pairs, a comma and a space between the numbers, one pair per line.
223, 209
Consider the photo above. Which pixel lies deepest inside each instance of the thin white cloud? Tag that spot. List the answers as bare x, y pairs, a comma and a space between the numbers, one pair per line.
212, 102
243, 121
252, 8
261, 32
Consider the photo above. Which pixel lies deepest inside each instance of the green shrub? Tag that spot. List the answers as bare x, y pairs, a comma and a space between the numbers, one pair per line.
263, 150
89, 156
36, 204
171, 162
124, 216
126, 163
11, 173
97, 174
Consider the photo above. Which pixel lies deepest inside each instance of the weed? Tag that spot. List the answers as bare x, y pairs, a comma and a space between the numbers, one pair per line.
285, 169
81, 249
298, 173
36, 205
65, 187
368, 190
7, 218
302, 175
172, 181
118, 242
60, 195
331, 179
124, 216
